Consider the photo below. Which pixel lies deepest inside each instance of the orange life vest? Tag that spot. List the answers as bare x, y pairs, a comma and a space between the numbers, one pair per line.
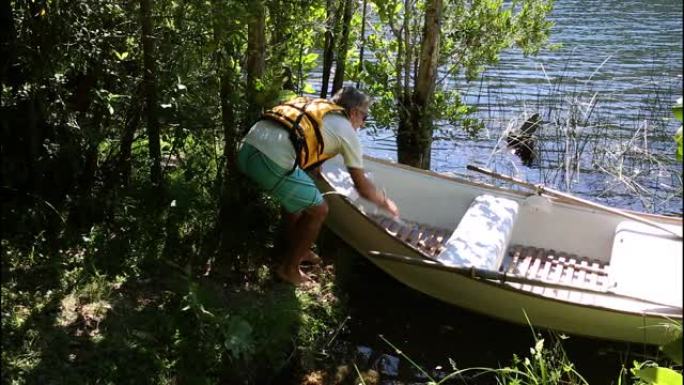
303, 117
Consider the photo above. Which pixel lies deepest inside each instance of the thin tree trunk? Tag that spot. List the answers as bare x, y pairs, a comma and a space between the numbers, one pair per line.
228, 119
150, 87
429, 53
363, 39
343, 47
217, 238
8, 38
414, 141
408, 52
125, 154
256, 59
327, 49
331, 24
230, 192
399, 71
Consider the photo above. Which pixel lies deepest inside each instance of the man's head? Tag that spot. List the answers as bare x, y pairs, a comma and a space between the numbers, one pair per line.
355, 102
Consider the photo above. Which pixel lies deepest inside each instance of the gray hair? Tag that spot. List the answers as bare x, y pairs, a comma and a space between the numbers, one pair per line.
350, 97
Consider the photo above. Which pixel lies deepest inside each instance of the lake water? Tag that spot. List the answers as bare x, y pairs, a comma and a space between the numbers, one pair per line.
605, 97
622, 62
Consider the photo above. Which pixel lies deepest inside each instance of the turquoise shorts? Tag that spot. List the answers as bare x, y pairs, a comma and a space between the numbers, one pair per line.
295, 191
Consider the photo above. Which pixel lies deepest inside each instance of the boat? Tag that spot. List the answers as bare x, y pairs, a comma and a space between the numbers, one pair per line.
561, 262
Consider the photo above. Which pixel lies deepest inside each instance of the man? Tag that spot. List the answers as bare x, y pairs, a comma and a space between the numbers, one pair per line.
296, 136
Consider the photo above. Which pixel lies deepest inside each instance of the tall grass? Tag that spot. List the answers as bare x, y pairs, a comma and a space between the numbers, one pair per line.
587, 145
547, 363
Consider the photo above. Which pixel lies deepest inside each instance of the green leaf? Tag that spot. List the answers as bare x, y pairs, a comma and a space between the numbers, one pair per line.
310, 58
659, 376
285, 95
678, 139
238, 338
308, 89
674, 348
120, 56
677, 109
398, 7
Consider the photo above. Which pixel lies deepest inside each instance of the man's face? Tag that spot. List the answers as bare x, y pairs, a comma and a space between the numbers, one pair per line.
359, 116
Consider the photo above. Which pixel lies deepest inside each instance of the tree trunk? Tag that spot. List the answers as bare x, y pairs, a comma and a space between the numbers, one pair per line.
343, 47
256, 60
150, 87
363, 39
331, 23
8, 38
228, 119
123, 169
414, 140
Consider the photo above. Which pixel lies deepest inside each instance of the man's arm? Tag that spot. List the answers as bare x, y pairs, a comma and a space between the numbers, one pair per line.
367, 190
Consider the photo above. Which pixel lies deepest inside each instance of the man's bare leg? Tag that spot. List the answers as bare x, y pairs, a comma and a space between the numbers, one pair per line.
304, 232
291, 233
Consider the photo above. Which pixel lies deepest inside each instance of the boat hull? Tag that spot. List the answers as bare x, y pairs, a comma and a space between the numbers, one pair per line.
500, 300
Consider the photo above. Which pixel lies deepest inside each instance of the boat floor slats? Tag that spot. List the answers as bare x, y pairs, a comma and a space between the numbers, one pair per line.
529, 262
428, 239
556, 267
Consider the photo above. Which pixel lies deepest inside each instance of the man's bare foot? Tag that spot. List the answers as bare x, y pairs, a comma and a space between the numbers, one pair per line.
312, 257
292, 275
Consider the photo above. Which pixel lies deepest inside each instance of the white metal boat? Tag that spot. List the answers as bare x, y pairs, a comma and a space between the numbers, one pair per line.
571, 266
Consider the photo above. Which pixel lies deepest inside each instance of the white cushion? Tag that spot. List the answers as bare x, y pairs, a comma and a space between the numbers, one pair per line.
481, 237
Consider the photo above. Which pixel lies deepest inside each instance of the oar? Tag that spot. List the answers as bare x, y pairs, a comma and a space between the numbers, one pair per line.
502, 278
539, 189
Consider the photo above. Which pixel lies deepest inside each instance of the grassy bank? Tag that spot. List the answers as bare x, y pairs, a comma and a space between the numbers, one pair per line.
143, 296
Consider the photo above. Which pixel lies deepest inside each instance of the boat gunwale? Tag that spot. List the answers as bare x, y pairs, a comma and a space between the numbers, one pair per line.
665, 218
463, 271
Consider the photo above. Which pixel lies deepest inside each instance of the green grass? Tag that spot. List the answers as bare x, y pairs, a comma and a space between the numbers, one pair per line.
141, 299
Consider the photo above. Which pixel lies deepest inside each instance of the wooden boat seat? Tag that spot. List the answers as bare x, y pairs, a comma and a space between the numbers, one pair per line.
633, 241
481, 238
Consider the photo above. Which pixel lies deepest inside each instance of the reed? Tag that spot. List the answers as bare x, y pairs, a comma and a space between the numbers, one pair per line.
548, 364
588, 146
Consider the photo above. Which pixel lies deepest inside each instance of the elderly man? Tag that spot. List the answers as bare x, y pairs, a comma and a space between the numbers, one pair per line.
296, 136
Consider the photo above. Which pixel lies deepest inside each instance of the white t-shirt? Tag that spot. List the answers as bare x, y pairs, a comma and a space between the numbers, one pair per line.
339, 137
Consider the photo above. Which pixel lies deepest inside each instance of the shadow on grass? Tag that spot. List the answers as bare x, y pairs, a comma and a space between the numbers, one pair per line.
155, 331
131, 302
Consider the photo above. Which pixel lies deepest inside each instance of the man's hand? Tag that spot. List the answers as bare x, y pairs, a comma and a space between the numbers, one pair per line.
367, 189
390, 206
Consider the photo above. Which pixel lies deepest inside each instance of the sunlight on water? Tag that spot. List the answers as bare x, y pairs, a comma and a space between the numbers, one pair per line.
609, 87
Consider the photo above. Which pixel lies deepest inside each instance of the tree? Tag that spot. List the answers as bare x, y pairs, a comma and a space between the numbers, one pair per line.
150, 87
333, 9
344, 45
256, 59
455, 38
414, 139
